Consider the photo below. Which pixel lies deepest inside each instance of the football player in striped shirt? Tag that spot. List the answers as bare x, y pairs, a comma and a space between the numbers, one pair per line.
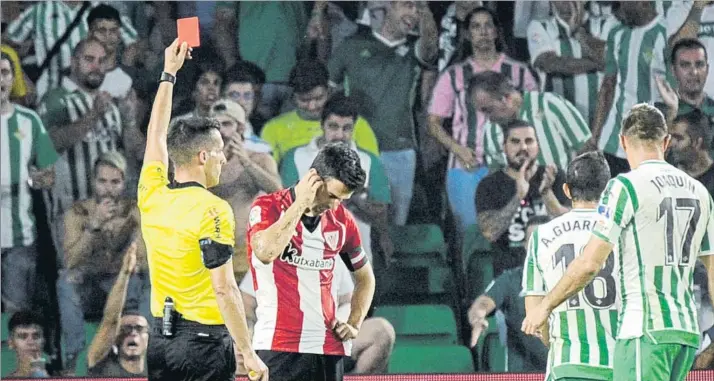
661, 219
27, 156
294, 238
581, 329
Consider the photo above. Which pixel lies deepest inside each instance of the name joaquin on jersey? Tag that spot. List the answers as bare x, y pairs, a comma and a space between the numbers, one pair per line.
292, 257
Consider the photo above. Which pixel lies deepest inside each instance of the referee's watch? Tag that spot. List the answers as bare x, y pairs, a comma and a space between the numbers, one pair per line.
167, 77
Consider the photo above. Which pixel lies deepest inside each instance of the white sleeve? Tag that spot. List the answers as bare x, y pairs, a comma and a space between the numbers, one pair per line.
246, 285
677, 15
539, 41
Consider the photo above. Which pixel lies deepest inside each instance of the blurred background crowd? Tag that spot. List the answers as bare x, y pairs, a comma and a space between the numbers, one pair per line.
422, 91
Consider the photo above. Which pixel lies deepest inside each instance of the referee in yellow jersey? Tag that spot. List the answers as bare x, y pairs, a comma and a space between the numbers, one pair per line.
189, 235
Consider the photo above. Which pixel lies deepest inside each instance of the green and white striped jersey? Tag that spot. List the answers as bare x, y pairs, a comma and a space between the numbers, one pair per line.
24, 142
660, 221
553, 35
581, 329
560, 129
45, 22
66, 105
635, 56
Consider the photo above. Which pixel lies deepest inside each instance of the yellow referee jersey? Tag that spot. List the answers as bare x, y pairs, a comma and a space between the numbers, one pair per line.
177, 222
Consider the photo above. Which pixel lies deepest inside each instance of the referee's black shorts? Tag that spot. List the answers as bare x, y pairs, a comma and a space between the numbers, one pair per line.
290, 366
196, 352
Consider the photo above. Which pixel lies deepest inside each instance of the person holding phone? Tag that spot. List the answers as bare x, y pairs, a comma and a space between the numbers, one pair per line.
294, 238
506, 200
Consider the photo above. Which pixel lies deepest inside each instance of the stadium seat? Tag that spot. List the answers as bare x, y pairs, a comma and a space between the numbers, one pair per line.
430, 359
473, 242
491, 353
5, 320
9, 362
479, 273
418, 245
421, 324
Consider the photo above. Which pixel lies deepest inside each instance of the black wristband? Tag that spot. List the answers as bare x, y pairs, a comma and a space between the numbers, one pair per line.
167, 77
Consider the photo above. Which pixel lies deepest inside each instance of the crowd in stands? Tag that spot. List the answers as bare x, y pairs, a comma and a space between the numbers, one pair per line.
439, 99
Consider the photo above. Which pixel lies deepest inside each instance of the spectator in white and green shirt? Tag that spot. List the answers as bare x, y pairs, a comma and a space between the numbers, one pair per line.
560, 128
634, 57
26, 159
84, 123
369, 205
43, 24
568, 51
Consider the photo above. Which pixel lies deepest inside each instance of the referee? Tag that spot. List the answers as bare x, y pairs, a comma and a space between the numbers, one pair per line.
189, 235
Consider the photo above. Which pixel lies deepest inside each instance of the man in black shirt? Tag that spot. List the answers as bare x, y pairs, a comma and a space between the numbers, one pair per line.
507, 199
689, 148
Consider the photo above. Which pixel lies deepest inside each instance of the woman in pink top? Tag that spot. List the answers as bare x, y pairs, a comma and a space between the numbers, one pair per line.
482, 50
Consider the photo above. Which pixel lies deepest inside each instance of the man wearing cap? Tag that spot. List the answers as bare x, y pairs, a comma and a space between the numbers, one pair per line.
250, 169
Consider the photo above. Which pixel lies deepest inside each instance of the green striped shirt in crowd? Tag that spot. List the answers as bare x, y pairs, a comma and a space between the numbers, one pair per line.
45, 22
25, 142
553, 35
635, 56
660, 221
560, 128
582, 329
66, 105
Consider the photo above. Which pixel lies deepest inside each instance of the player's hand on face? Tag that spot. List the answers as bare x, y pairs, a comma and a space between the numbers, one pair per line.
175, 55
307, 188
254, 366
548, 179
344, 331
535, 320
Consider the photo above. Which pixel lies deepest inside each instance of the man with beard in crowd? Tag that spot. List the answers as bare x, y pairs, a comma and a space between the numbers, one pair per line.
506, 200
83, 123
249, 170
689, 147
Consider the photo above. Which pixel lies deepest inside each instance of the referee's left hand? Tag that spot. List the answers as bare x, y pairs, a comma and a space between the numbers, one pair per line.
344, 331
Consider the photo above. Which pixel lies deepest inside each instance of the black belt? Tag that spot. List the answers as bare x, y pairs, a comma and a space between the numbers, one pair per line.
183, 325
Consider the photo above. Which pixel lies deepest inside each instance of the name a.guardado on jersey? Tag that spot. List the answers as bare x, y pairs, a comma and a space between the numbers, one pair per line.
664, 181
291, 257
565, 227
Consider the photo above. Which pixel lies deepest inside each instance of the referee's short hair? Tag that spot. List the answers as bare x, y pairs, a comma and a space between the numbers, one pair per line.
338, 161
644, 122
587, 176
189, 136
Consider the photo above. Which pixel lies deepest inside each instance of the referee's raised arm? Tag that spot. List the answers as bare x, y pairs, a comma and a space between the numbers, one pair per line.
156, 149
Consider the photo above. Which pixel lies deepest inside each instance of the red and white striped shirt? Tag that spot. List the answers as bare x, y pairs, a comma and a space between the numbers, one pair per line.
296, 303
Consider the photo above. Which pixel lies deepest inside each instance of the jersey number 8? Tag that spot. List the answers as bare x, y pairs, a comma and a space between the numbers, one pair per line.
565, 255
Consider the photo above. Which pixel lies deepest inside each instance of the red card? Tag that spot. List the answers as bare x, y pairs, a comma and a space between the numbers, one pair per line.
188, 31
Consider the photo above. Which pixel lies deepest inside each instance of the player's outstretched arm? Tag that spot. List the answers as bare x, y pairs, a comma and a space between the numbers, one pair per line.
156, 149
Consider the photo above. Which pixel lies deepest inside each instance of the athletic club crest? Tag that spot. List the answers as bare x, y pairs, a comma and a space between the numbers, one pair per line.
331, 238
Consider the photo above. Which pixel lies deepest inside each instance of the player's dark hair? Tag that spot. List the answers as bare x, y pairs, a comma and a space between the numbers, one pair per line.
79, 48
103, 12
131, 312
512, 125
686, 44
24, 318
307, 75
491, 82
537, 220
338, 161
698, 126
645, 123
587, 176
340, 105
189, 136
246, 72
